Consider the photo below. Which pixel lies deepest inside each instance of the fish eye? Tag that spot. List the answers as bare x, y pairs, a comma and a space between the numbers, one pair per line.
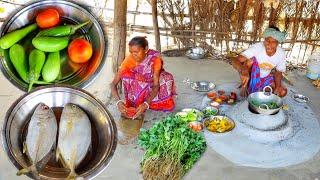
45, 107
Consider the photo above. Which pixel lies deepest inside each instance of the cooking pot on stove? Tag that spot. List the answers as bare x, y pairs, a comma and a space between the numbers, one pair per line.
262, 102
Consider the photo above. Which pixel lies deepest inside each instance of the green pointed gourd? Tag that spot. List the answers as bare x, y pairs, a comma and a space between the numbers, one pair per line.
36, 61
13, 37
51, 68
50, 44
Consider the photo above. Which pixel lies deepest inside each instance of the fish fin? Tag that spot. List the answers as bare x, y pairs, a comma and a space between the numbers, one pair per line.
25, 147
73, 157
57, 154
59, 157
23, 171
29, 169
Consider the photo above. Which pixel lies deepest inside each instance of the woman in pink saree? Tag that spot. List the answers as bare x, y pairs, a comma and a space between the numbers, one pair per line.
146, 84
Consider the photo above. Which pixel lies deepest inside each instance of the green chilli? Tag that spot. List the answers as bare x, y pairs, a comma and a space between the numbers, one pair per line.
59, 31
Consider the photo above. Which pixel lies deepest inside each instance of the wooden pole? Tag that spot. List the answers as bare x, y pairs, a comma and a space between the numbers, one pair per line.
119, 33
137, 9
155, 24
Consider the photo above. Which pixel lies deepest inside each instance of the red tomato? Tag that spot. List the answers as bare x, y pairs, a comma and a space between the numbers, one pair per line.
131, 111
48, 18
80, 51
233, 96
212, 95
221, 92
223, 97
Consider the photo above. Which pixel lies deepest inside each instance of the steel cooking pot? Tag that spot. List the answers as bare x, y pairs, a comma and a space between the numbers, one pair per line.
260, 102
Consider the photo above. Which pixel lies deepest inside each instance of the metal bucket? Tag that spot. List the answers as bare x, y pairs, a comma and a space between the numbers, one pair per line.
313, 68
104, 131
263, 98
79, 75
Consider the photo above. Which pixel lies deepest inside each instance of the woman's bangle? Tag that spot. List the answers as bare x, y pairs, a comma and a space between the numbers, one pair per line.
119, 102
146, 104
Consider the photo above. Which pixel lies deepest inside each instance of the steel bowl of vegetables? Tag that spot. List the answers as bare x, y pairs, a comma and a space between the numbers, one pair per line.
190, 114
51, 42
210, 111
265, 102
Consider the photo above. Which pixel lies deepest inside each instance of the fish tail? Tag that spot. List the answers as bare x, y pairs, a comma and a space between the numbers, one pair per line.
57, 157
29, 169
72, 175
34, 172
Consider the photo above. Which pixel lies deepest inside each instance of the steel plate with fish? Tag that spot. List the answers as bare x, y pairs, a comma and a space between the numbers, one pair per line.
103, 131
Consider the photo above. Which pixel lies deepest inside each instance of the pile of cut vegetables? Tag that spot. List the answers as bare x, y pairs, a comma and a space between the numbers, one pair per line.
43, 60
171, 148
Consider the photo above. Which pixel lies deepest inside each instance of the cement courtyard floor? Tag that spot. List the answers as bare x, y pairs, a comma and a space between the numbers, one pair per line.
125, 163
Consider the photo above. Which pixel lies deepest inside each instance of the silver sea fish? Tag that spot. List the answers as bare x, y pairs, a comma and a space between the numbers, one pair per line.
40, 138
74, 137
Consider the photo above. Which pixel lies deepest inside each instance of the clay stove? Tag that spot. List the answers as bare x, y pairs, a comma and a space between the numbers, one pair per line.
267, 141
261, 127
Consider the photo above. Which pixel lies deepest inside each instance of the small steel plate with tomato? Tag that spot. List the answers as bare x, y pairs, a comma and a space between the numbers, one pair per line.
221, 97
196, 126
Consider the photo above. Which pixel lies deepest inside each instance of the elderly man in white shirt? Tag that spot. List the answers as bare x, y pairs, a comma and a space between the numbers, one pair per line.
255, 65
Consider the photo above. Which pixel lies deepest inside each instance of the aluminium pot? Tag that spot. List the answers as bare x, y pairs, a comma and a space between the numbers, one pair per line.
263, 98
